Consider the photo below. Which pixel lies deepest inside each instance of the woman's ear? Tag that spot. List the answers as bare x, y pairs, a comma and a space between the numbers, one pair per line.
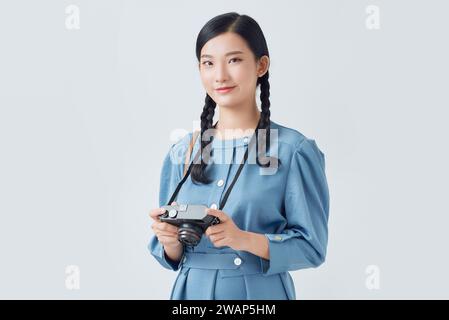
262, 65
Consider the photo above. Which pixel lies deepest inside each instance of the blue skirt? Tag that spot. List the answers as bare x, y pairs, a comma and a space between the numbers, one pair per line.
210, 276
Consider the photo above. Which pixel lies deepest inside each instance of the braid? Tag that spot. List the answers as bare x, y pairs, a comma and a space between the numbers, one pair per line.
265, 101
264, 122
207, 116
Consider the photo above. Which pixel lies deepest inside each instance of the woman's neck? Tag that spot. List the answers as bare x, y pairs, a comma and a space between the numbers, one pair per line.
236, 122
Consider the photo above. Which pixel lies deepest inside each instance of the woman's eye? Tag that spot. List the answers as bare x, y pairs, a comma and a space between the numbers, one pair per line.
208, 63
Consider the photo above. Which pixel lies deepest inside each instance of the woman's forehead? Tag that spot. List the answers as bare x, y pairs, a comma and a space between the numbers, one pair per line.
224, 44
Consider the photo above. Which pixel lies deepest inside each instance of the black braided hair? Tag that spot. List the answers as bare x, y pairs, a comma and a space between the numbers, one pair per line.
251, 32
207, 116
264, 122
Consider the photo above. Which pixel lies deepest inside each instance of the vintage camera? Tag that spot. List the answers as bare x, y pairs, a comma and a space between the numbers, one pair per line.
192, 221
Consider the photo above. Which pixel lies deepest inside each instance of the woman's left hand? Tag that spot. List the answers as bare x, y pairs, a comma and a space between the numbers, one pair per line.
226, 233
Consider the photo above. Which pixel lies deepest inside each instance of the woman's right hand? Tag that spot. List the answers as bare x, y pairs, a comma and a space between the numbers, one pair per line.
166, 233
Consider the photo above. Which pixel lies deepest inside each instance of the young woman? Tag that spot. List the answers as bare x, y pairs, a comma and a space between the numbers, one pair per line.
275, 219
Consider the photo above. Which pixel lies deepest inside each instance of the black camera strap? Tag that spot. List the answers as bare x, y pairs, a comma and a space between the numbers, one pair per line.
228, 191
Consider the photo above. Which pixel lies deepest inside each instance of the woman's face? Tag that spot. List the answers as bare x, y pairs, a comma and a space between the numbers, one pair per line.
227, 61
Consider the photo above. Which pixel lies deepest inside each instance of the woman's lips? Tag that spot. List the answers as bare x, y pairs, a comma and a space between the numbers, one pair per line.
225, 90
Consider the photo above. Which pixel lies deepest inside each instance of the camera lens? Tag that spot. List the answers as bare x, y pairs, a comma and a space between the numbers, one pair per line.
190, 234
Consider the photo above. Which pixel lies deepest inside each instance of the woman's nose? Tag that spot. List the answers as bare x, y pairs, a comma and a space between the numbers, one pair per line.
221, 74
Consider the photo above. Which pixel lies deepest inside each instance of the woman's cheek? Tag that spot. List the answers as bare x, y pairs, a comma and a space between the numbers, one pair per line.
206, 80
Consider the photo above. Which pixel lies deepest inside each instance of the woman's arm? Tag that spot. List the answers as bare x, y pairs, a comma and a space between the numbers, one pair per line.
302, 243
174, 253
256, 243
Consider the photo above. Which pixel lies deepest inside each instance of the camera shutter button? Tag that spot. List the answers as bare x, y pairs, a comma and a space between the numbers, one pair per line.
172, 213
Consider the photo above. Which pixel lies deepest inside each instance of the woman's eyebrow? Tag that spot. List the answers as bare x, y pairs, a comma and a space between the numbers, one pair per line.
227, 54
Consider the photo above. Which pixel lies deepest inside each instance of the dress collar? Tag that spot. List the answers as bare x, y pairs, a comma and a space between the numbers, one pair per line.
231, 143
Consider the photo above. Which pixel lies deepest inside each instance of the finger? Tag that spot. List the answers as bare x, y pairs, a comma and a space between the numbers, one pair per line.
167, 240
164, 226
215, 229
166, 234
221, 243
216, 237
217, 213
155, 213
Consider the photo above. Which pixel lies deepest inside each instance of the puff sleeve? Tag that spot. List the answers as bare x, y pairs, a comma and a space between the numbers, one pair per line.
169, 178
303, 242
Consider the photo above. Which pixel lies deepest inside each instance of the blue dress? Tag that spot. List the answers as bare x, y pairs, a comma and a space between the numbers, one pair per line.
288, 204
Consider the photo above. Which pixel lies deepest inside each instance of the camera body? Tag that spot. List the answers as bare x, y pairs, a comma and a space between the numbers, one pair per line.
191, 219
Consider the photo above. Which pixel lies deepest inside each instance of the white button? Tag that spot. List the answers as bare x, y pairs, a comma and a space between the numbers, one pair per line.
245, 140
237, 261
172, 213
220, 183
213, 206
278, 238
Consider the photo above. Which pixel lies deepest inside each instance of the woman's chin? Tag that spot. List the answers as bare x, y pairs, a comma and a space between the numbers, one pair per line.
226, 102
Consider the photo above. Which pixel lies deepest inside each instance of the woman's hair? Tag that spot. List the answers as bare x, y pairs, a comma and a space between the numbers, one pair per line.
250, 31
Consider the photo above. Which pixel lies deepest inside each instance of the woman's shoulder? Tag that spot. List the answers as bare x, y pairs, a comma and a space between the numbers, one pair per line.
178, 148
297, 145
292, 138
183, 139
